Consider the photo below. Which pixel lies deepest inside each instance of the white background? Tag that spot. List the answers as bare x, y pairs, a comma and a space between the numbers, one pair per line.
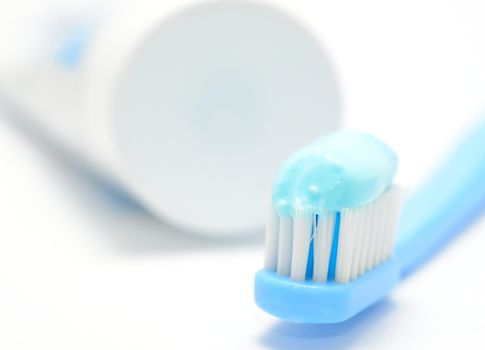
80, 269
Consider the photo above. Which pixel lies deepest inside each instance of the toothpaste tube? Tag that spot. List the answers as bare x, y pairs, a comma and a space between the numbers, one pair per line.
189, 107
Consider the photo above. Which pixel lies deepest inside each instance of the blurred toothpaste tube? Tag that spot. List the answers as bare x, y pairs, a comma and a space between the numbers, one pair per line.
190, 108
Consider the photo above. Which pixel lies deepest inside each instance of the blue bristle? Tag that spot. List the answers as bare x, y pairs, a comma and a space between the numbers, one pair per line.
333, 253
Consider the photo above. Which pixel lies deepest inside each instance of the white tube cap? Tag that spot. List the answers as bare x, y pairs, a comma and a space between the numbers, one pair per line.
209, 104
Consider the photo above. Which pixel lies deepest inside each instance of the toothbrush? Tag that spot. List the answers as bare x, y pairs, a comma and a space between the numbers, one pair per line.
345, 244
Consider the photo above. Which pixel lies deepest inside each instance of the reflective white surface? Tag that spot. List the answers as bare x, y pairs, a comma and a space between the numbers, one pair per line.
79, 270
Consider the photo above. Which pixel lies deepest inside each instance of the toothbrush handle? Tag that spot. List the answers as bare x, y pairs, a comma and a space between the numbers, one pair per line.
445, 204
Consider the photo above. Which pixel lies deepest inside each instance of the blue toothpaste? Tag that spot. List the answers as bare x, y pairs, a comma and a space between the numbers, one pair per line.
345, 169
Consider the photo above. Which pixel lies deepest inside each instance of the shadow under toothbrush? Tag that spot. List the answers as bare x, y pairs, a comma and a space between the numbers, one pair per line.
287, 336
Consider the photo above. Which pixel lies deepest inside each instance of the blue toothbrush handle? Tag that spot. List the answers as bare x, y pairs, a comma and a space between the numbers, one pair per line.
445, 204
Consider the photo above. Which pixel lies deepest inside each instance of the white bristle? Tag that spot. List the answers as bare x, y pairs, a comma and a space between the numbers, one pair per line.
359, 225
285, 243
366, 239
302, 235
347, 240
271, 244
379, 220
383, 251
367, 228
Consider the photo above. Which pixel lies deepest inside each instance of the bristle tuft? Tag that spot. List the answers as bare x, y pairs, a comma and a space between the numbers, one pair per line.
365, 240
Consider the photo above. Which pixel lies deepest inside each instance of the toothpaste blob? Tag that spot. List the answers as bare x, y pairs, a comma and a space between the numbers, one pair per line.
345, 169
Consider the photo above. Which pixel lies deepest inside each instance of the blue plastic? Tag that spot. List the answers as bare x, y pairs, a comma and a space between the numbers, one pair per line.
446, 203
331, 302
442, 207
75, 44
333, 253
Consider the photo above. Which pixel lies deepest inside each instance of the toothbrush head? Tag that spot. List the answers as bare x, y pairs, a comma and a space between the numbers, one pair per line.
330, 231
331, 302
